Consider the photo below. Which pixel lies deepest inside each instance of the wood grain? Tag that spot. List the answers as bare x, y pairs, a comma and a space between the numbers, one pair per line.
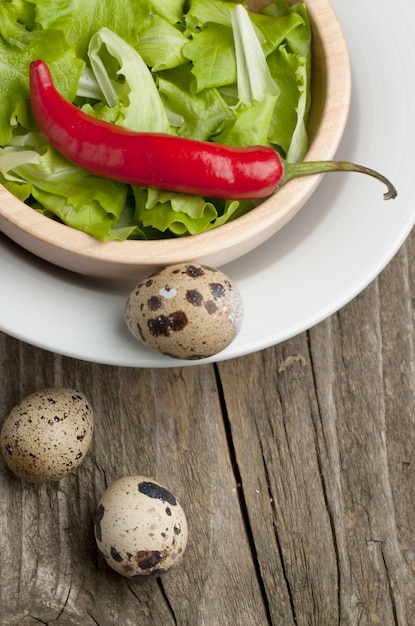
295, 466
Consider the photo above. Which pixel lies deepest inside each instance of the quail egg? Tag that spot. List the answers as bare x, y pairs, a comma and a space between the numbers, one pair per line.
47, 434
140, 528
186, 311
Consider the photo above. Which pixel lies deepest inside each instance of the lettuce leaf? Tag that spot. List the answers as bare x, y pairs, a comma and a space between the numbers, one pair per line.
161, 45
78, 20
212, 54
252, 123
203, 115
75, 197
139, 100
19, 45
202, 12
182, 214
179, 213
254, 79
172, 11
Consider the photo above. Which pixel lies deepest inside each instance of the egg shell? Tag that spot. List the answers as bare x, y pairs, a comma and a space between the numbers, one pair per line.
47, 434
140, 527
186, 311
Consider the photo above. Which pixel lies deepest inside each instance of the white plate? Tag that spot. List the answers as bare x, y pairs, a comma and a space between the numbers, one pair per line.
335, 246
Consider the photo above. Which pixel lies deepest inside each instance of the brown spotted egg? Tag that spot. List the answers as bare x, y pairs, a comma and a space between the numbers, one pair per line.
140, 528
47, 434
186, 311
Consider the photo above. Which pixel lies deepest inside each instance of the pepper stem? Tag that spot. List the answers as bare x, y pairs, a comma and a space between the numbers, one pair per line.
307, 168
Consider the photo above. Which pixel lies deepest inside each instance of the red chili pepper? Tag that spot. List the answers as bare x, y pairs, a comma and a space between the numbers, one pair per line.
165, 161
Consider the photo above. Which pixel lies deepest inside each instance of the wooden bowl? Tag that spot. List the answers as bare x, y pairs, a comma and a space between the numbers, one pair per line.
131, 260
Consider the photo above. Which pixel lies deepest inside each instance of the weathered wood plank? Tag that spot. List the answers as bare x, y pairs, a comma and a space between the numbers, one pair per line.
329, 481
166, 424
270, 409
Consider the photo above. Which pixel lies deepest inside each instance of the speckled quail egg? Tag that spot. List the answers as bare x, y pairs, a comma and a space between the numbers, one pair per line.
140, 528
186, 311
47, 434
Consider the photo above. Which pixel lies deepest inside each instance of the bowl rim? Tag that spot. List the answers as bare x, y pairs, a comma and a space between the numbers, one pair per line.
48, 238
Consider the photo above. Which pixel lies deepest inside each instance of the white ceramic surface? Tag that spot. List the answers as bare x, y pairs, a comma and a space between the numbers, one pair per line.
338, 243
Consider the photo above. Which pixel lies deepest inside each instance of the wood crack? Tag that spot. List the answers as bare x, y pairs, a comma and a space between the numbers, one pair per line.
93, 618
167, 600
277, 539
390, 587
65, 603
241, 496
324, 486
284, 572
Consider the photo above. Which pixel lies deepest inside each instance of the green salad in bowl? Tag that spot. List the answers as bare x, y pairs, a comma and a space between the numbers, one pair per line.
208, 71
156, 67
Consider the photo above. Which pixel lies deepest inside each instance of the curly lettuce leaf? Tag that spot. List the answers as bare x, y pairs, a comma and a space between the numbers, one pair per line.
19, 45
203, 115
290, 63
212, 54
175, 212
126, 227
251, 125
78, 20
181, 214
77, 198
272, 31
160, 46
171, 11
139, 99
202, 12
11, 159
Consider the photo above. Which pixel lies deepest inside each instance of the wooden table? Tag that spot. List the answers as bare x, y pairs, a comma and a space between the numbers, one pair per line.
295, 467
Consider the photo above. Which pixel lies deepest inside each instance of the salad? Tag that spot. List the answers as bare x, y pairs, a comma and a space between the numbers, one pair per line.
204, 69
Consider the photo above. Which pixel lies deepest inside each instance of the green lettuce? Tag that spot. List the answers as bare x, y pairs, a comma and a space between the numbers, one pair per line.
251, 126
58, 188
139, 113
205, 69
161, 45
172, 11
78, 20
254, 79
203, 115
212, 54
16, 52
